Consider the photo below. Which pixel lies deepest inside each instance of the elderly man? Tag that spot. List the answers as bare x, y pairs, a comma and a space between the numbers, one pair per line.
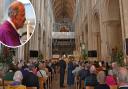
123, 78
101, 80
8, 30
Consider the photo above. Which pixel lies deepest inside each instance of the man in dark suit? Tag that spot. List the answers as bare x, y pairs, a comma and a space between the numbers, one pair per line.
31, 80
8, 30
62, 65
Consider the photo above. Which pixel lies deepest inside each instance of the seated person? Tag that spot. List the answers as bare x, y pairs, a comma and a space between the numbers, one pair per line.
123, 78
111, 79
101, 79
18, 76
31, 80
42, 71
10, 73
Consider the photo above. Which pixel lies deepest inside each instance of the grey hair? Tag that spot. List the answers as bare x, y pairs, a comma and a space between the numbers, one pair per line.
110, 72
123, 75
101, 77
13, 11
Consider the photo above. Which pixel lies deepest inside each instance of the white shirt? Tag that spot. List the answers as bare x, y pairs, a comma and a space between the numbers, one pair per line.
76, 70
18, 76
41, 72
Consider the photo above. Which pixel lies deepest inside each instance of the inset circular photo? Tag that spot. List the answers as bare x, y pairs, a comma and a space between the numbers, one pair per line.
17, 22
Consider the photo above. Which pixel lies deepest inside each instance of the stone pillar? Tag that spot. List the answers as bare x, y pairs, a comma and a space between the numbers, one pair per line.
124, 24
23, 52
110, 27
124, 16
26, 52
96, 32
34, 39
1, 10
91, 32
41, 36
20, 53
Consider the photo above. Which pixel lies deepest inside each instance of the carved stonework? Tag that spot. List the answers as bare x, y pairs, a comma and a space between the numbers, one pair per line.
64, 29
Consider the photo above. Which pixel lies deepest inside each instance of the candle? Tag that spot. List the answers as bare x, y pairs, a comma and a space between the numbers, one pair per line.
28, 30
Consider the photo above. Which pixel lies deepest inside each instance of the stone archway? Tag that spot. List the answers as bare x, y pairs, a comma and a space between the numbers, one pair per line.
97, 34
110, 27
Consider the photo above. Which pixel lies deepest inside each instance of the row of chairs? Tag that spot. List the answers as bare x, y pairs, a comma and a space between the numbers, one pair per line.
20, 87
6, 84
77, 84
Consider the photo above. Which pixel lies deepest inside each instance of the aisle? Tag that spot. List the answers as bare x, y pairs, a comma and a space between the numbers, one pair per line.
55, 84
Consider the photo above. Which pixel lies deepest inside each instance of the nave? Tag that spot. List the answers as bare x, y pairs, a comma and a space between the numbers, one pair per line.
92, 32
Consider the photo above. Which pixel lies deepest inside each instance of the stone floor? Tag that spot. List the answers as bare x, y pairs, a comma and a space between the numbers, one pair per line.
55, 83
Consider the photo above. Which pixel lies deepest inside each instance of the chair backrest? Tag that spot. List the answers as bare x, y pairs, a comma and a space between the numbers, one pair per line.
82, 84
41, 82
89, 87
6, 82
113, 87
16, 87
31, 88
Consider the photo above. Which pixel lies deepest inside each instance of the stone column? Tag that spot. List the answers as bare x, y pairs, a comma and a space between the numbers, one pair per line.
89, 17
26, 52
96, 32
1, 10
20, 53
41, 36
34, 39
110, 27
91, 30
124, 24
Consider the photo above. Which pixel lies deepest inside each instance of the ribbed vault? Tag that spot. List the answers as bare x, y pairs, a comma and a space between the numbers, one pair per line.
63, 9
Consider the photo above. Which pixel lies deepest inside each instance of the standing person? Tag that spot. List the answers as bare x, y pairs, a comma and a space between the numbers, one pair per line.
83, 73
8, 30
70, 76
62, 65
91, 80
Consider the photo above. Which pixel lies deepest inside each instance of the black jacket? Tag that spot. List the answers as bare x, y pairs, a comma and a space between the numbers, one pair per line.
91, 80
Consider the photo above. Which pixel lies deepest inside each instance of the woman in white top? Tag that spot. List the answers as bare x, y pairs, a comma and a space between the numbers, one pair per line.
42, 70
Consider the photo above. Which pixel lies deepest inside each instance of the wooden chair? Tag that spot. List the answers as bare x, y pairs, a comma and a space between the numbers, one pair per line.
16, 87
77, 82
82, 84
6, 83
49, 80
113, 87
41, 82
31, 87
1, 82
89, 87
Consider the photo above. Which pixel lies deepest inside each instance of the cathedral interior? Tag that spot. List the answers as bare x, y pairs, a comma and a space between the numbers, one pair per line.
84, 29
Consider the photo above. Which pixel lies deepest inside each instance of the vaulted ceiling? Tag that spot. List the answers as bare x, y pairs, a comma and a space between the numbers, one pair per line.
63, 9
